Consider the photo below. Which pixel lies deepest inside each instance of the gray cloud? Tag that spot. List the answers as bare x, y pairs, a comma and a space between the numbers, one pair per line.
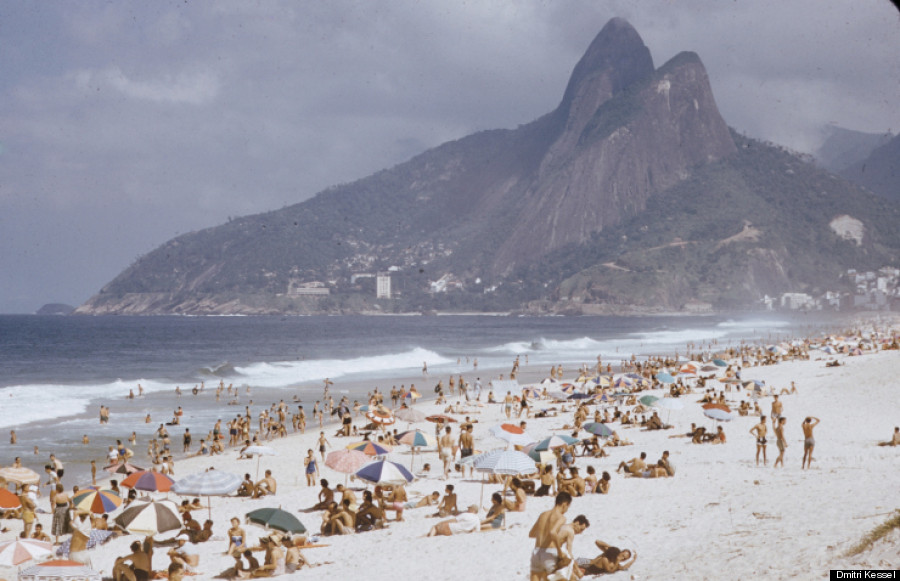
123, 124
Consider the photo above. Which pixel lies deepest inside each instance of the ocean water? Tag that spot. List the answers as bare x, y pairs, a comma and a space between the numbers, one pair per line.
55, 372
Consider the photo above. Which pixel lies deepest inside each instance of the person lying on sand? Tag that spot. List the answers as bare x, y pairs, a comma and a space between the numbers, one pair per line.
466, 522
895, 439
611, 559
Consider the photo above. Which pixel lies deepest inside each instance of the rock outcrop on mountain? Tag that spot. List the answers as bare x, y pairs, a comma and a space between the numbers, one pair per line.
478, 214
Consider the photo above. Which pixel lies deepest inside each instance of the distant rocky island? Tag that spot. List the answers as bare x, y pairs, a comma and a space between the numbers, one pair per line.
633, 195
55, 309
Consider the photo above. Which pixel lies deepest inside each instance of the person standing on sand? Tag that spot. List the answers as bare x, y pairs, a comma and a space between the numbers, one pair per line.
808, 442
323, 441
545, 533
445, 451
311, 469
777, 410
780, 442
759, 430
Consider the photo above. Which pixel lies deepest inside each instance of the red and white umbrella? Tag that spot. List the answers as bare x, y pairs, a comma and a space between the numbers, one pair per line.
20, 475
512, 434
381, 415
16, 552
59, 569
347, 461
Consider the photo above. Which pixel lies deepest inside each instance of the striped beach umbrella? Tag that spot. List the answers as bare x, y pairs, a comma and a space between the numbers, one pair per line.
508, 462
97, 501
410, 415
122, 468
384, 472
381, 415
717, 406
209, 483
555, 441
346, 461
416, 438
441, 419
370, 448
59, 569
20, 475
16, 552
148, 480
568, 388
150, 517
531, 392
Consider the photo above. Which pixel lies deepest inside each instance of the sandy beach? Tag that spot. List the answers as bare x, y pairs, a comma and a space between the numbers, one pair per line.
720, 517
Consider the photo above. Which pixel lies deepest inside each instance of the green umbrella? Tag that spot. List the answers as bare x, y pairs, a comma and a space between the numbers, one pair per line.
275, 518
649, 399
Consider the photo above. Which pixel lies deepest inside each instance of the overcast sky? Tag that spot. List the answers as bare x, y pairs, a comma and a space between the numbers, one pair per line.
123, 124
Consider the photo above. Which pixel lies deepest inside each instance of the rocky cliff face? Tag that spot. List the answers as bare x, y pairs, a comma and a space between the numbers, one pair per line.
484, 209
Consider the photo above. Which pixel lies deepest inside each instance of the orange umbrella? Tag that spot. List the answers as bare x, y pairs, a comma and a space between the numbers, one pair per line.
8, 499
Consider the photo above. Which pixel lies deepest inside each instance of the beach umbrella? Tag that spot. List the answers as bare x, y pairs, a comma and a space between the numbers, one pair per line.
718, 414
441, 419
720, 363
648, 399
381, 415
150, 517
97, 537
209, 483
545, 457
20, 475
275, 518
512, 434
346, 461
16, 552
555, 441
580, 396
409, 415
148, 480
709, 368
531, 392
689, 368
370, 448
259, 451
384, 472
623, 383
97, 501
508, 462
412, 395
122, 468
8, 499
59, 569
598, 429
717, 406
416, 438
665, 377
568, 388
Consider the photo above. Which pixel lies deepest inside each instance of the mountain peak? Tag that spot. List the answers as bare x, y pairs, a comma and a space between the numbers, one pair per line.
617, 54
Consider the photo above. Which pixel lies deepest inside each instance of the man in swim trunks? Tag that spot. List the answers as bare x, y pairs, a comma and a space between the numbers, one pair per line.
759, 430
809, 442
545, 533
780, 442
445, 451
566, 537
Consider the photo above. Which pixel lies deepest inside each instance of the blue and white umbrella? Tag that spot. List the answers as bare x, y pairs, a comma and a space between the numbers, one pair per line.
598, 429
665, 377
555, 441
384, 472
719, 415
209, 483
509, 462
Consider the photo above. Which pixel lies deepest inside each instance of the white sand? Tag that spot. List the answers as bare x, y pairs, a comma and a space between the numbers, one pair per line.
721, 517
